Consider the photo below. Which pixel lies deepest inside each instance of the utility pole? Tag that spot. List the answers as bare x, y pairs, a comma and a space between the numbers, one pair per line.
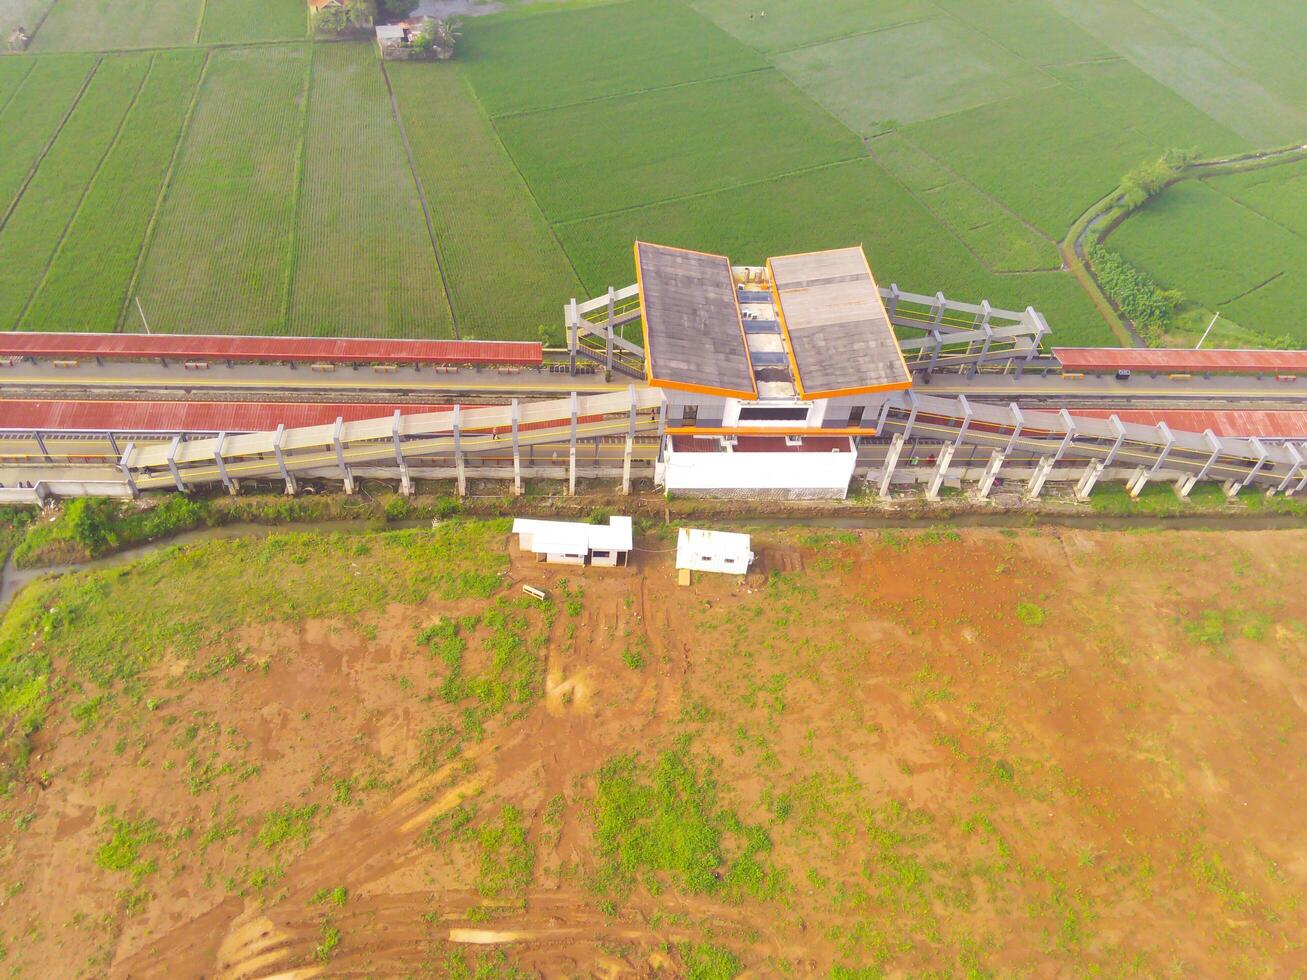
1208, 330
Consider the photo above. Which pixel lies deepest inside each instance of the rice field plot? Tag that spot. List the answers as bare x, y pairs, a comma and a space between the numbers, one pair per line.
233, 21
916, 71
1000, 240
26, 14
853, 203
13, 71
1245, 97
29, 120
1030, 29
1277, 193
675, 142
111, 25
1222, 254
39, 220
363, 261
1050, 153
506, 271
532, 59
218, 260
789, 24
86, 285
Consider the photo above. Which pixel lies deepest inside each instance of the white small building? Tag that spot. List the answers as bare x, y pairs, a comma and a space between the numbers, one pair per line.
574, 543
713, 551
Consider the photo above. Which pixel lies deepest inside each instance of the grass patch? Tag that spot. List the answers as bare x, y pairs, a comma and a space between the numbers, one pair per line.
125, 841
1030, 614
704, 961
508, 857
666, 824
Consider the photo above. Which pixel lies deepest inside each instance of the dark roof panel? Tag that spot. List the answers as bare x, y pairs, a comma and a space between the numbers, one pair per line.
694, 338
836, 325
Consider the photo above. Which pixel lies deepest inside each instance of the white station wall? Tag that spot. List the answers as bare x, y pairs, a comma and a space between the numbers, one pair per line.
759, 471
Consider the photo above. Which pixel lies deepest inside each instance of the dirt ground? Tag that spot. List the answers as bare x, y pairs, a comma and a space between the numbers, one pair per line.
1012, 753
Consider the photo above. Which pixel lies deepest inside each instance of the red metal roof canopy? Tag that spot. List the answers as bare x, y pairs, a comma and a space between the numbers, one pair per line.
1181, 360
202, 347
103, 416
1239, 425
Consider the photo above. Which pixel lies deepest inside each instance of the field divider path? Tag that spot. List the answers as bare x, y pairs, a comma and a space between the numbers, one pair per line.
86, 192
199, 21
297, 195
422, 197
22, 188
148, 238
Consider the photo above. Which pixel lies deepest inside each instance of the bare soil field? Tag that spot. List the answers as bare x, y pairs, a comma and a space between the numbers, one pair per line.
1033, 753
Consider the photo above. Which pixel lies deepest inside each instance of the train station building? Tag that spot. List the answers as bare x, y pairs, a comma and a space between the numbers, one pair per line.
770, 373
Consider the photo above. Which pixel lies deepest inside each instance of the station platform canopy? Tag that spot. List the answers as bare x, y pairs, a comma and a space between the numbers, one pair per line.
836, 326
1237, 424
1182, 360
833, 335
247, 349
693, 331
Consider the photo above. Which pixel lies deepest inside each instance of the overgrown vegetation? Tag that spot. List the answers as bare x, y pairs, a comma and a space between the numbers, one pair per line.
1137, 294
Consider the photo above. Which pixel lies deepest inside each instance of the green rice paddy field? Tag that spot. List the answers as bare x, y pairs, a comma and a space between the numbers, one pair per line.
211, 160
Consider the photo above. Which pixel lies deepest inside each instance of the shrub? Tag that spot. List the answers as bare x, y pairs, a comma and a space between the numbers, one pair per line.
1030, 614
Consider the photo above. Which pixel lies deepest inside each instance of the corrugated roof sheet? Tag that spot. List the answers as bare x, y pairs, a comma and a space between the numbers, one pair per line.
207, 347
1182, 360
694, 337
836, 324
176, 416
1238, 424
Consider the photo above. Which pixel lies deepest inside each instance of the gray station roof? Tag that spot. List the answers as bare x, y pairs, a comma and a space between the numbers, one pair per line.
693, 334
836, 324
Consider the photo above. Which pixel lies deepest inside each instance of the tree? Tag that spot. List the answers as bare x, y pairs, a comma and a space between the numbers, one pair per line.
436, 39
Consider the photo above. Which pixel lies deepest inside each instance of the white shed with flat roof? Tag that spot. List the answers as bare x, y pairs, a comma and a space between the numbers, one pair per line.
713, 551
574, 543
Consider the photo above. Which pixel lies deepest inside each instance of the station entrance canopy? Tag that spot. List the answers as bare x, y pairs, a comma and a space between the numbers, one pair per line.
825, 308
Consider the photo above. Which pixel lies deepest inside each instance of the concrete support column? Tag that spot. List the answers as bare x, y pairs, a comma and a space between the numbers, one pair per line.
286, 474
345, 475
405, 484
1262, 456
891, 461
630, 443
572, 318
937, 481
1294, 469
571, 453
172, 463
1092, 472
517, 453
608, 329
1138, 481
892, 303
458, 451
125, 466
1184, 485
1036, 485
991, 473
231, 485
